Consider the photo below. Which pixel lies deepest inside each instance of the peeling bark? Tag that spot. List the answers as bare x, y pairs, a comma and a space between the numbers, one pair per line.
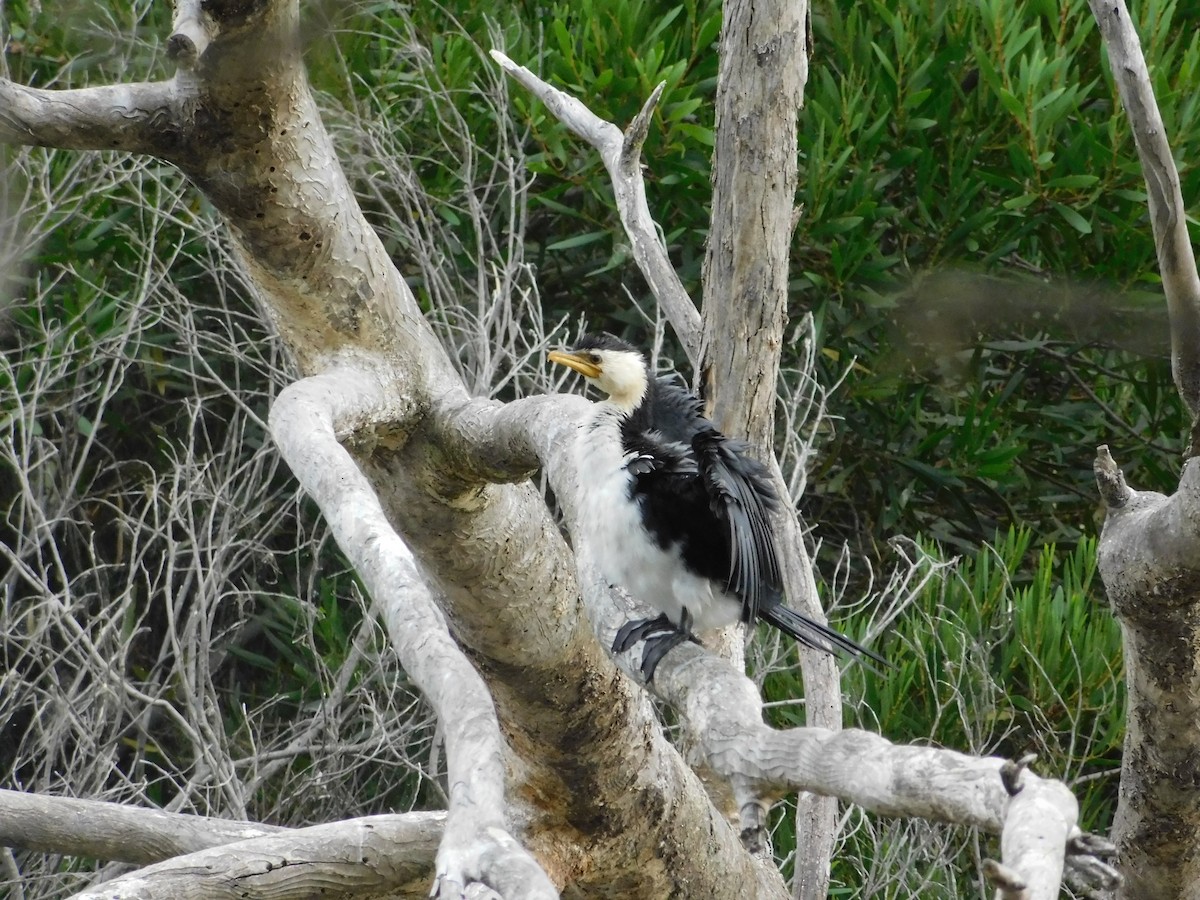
1149, 557
1149, 553
561, 778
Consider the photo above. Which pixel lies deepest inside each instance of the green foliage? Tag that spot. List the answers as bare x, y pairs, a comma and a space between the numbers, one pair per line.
1007, 658
944, 143
612, 54
296, 646
973, 244
1006, 432
95, 40
945, 133
991, 655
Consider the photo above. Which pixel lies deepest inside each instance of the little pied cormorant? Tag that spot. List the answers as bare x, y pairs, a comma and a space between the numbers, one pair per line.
679, 512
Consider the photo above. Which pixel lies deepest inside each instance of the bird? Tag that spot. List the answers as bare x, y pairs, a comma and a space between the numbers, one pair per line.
679, 513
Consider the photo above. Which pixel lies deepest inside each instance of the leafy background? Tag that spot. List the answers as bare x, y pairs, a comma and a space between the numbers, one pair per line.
976, 308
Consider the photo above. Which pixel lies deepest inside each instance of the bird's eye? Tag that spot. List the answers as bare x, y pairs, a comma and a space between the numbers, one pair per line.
594, 359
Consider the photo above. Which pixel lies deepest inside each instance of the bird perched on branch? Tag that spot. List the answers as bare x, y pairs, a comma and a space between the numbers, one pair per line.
679, 513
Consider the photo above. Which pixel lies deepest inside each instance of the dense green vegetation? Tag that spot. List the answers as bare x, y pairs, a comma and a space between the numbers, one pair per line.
973, 252
1007, 651
974, 247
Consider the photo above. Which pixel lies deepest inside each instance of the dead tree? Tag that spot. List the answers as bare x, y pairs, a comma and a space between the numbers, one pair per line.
561, 780
1150, 545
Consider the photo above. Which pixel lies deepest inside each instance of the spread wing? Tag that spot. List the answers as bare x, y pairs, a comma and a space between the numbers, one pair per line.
707, 492
741, 498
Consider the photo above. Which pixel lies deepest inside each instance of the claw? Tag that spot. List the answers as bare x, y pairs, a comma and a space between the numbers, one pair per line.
660, 634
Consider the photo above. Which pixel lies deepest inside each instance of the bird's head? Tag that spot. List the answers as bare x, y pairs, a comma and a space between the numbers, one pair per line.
617, 368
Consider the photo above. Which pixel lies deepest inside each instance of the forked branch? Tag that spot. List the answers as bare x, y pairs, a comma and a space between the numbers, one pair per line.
621, 153
305, 422
109, 117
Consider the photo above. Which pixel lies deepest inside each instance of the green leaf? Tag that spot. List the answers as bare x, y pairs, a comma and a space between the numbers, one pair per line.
1072, 182
1074, 219
842, 224
1012, 104
698, 133
1020, 202
579, 240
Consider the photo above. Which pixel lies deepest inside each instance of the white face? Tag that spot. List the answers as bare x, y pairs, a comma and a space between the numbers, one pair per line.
622, 376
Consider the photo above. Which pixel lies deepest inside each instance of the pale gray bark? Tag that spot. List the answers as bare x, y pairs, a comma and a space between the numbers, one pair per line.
427, 491
760, 90
1168, 215
375, 856
206, 857
351, 399
1149, 557
110, 117
723, 710
111, 831
1149, 554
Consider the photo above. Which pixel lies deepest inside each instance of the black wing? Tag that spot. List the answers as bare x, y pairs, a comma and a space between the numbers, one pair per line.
708, 492
705, 491
674, 503
650, 453
672, 411
742, 499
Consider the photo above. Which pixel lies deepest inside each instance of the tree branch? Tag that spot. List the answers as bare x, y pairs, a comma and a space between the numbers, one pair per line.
621, 154
113, 831
1168, 215
209, 857
305, 421
191, 33
722, 709
747, 261
1148, 548
126, 117
1110, 480
1148, 559
353, 858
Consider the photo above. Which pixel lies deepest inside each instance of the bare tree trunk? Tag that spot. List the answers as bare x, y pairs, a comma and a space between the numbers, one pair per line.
1149, 555
764, 69
561, 779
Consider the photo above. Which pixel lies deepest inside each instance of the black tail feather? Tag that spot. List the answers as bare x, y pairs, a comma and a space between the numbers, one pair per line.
814, 634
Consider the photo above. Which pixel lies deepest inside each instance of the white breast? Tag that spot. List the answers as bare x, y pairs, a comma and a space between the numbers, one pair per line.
625, 552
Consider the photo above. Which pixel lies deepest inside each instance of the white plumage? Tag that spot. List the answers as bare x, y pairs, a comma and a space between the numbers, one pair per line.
626, 553
677, 513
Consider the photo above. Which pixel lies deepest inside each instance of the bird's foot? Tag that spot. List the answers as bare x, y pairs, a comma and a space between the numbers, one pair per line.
660, 634
656, 647
639, 629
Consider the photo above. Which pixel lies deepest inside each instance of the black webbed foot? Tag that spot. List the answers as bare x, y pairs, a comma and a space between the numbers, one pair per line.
658, 646
639, 629
661, 636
